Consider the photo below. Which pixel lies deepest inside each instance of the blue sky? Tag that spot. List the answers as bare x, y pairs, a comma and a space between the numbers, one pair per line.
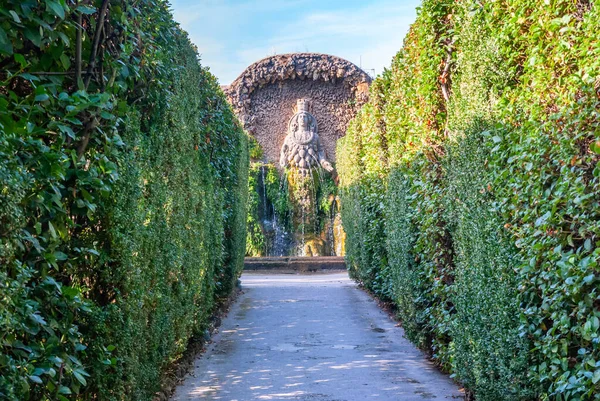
232, 34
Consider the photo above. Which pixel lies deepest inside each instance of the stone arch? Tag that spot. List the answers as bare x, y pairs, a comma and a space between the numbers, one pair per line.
264, 94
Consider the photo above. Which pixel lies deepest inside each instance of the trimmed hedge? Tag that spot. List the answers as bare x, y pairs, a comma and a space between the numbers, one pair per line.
483, 140
123, 197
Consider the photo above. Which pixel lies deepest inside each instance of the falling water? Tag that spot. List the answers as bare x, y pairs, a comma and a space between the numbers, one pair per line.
330, 230
265, 215
303, 240
313, 198
281, 237
304, 216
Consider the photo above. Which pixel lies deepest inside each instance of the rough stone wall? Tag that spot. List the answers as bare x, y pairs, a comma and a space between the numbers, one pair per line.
264, 97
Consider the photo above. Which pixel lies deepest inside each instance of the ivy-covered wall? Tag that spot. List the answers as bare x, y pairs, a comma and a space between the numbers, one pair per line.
470, 194
123, 190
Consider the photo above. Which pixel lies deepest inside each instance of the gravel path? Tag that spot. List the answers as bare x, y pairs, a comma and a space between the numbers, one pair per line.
311, 337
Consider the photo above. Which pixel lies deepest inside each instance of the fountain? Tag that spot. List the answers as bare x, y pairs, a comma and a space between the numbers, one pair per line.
293, 208
304, 161
296, 202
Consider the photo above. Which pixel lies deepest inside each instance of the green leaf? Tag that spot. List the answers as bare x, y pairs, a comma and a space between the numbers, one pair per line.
107, 116
36, 379
42, 98
65, 129
55, 8
29, 77
596, 377
64, 38
87, 9
70, 292
6, 46
38, 319
15, 16
66, 61
19, 58
52, 230
64, 390
79, 377
56, 360
34, 36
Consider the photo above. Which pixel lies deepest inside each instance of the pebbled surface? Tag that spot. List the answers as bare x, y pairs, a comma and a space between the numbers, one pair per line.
311, 337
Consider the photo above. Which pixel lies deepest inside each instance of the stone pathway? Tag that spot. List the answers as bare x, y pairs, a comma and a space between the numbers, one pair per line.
311, 337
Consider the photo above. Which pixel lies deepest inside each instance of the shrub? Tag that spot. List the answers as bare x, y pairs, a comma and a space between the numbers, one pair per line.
490, 126
123, 200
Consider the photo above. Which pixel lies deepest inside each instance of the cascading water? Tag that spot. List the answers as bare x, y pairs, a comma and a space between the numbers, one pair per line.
274, 228
280, 239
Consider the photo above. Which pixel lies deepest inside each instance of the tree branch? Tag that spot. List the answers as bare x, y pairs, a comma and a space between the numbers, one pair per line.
446, 72
87, 132
96, 44
78, 41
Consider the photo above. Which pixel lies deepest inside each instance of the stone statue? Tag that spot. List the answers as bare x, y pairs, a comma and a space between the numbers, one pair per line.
302, 149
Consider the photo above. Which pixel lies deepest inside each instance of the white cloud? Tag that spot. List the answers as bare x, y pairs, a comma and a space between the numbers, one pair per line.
372, 33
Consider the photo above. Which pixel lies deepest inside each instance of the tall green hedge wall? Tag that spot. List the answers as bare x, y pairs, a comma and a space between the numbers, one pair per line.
123, 190
470, 194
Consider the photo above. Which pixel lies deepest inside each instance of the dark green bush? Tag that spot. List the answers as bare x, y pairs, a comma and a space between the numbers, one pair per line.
491, 138
123, 198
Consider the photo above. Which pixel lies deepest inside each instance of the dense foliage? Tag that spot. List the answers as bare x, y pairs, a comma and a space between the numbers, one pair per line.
470, 194
123, 193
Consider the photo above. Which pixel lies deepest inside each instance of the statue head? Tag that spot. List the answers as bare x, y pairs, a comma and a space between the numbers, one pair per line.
303, 125
303, 121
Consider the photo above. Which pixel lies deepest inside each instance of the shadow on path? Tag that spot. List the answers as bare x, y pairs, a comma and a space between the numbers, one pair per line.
311, 337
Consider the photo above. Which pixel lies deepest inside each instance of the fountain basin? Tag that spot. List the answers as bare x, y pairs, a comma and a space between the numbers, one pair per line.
295, 264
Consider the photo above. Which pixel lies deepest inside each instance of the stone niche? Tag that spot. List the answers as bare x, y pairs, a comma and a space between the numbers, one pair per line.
265, 96
297, 106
